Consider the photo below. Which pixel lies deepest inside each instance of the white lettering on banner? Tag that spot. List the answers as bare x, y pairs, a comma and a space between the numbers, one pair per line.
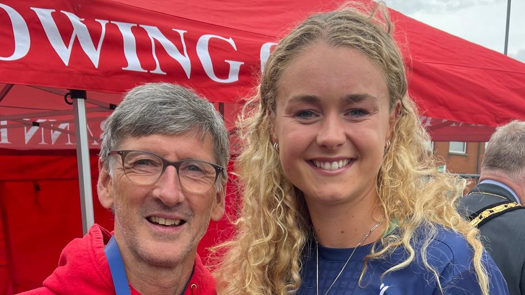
3, 133
32, 130
47, 134
53, 22
91, 133
20, 33
265, 53
455, 124
425, 121
80, 31
55, 134
203, 52
130, 47
155, 34
102, 125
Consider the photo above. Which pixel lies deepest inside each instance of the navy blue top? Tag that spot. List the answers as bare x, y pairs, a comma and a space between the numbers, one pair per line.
449, 253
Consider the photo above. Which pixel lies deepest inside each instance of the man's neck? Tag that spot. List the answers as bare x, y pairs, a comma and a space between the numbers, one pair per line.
516, 186
148, 280
151, 279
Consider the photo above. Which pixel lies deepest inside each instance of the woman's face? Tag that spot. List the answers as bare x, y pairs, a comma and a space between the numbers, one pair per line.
332, 122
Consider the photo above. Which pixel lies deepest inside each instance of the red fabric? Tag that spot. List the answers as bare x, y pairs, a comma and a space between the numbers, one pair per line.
82, 73
42, 165
40, 224
247, 33
454, 79
39, 195
83, 269
52, 134
450, 78
5, 278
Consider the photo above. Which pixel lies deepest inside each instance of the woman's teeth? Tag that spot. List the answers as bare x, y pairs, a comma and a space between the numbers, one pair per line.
331, 165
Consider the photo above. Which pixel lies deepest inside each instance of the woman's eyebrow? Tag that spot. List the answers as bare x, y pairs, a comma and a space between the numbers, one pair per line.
304, 99
350, 98
359, 97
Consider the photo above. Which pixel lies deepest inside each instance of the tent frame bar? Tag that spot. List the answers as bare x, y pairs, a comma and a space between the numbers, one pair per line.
5, 91
84, 171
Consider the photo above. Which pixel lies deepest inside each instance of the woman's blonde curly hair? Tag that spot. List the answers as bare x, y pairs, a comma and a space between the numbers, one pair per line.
274, 226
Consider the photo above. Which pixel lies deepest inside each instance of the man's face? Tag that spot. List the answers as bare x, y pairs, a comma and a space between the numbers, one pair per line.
160, 224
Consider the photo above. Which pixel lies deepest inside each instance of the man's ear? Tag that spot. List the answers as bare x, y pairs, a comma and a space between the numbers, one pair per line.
217, 211
104, 187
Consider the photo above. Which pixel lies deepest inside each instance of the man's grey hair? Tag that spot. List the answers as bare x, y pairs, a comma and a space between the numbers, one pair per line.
166, 109
505, 152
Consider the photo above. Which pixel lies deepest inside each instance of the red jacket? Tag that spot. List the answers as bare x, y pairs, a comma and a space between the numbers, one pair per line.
84, 269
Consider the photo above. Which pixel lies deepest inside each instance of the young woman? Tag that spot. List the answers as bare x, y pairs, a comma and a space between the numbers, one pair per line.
340, 195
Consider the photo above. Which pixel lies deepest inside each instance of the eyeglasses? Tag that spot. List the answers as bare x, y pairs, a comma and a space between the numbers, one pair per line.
145, 168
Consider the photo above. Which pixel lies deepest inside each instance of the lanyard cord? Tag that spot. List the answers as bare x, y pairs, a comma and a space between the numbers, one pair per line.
116, 266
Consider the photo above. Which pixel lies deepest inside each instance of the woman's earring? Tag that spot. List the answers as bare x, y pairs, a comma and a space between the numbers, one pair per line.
387, 145
276, 146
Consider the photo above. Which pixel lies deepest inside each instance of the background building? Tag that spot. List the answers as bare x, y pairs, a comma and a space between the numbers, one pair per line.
464, 158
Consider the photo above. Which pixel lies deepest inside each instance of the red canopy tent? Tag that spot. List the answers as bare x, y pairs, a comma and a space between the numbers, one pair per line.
106, 47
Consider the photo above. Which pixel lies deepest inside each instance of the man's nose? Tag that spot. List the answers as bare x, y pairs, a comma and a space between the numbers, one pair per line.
168, 188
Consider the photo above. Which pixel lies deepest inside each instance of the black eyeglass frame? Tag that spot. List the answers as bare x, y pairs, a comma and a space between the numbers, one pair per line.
166, 163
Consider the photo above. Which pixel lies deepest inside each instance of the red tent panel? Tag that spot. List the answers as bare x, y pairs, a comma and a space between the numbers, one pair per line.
108, 46
111, 46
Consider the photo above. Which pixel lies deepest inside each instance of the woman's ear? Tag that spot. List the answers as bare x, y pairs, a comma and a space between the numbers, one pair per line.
396, 110
271, 127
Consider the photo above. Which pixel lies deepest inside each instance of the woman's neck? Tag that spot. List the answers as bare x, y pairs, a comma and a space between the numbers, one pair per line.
344, 225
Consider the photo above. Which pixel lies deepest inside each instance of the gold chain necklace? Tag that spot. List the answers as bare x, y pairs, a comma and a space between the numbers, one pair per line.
487, 194
347, 260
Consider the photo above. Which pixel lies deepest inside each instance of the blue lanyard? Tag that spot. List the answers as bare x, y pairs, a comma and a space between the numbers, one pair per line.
116, 266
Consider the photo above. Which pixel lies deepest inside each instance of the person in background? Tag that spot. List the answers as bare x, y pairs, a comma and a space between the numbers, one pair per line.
495, 205
339, 193
162, 173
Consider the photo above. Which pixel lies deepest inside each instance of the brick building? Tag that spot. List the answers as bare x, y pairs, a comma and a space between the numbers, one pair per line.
464, 158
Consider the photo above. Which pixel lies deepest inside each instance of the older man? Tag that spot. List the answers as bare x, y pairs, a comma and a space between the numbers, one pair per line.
495, 205
162, 172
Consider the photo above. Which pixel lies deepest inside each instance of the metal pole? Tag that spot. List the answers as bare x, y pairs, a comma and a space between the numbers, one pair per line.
84, 171
507, 29
5, 91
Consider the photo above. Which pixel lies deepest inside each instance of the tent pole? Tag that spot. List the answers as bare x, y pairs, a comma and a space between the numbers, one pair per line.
507, 29
5, 91
84, 172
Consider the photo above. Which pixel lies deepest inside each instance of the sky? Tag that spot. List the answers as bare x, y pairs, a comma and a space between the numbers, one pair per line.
479, 21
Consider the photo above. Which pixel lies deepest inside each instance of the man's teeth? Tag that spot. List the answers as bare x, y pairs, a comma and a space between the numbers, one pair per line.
331, 165
165, 221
